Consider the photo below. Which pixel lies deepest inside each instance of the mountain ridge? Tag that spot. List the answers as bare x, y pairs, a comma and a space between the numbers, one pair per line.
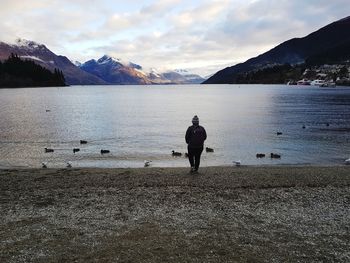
292, 51
117, 71
106, 70
39, 53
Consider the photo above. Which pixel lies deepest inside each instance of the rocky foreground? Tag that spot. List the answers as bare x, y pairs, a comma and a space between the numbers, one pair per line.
223, 214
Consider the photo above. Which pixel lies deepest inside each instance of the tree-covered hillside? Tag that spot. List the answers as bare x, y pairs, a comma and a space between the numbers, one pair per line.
15, 72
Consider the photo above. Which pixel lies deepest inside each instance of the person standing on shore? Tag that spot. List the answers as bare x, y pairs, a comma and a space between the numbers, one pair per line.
195, 137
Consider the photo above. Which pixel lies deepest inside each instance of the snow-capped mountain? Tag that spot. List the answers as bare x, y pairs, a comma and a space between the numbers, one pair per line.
117, 71
40, 54
188, 77
105, 70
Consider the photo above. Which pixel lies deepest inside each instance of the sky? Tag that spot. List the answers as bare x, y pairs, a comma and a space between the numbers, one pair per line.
201, 36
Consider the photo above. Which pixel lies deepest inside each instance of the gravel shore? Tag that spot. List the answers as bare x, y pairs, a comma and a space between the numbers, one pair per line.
222, 214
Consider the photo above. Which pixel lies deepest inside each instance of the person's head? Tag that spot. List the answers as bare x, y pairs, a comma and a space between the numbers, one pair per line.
195, 120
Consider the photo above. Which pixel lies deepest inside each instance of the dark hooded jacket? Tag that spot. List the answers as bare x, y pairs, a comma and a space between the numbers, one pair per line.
195, 136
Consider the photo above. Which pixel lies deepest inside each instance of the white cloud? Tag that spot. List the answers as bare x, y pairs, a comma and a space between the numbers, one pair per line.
204, 35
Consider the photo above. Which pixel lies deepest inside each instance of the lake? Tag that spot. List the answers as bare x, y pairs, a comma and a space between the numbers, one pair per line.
138, 123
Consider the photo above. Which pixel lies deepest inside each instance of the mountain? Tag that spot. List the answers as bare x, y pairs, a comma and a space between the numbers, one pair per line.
188, 77
116, 71
293, 51
41, 55
106, 70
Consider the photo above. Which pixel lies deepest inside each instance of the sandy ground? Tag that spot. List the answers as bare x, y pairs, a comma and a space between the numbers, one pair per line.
223, 214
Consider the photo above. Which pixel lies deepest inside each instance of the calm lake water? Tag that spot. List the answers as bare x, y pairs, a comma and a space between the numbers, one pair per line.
138, 123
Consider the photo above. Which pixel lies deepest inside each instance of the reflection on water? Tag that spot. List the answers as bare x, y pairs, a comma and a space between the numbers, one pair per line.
138, 123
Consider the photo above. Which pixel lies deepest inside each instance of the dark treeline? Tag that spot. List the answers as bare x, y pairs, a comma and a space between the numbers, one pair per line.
271, 75
335, 55
280, 74
15, 72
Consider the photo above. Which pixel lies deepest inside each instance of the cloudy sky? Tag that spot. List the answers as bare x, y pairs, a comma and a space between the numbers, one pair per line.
203, 36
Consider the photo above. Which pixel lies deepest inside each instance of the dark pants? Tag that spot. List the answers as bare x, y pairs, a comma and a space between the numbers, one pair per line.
194, 156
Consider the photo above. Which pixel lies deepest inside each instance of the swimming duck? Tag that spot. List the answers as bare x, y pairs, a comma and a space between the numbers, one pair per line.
48, 150
209, 150
105, 151
275, 156
176, 153
76, 150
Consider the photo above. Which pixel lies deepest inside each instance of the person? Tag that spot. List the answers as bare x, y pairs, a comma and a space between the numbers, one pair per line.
195, 137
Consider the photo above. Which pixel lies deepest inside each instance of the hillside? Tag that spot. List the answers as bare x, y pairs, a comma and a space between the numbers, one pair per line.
293, 51
43, 56
15, 72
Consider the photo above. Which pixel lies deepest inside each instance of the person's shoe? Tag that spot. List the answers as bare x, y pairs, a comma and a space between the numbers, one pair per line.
192, 170
195, 171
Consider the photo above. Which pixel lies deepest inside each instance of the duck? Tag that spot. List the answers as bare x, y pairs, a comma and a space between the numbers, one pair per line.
48, 150
43, 165
76, 150
83, 142
209, 150
279, 133
347, 161
275, 156
176, 153
237, 163
260, 155
304, 126
105, 151
69, 165
147, 163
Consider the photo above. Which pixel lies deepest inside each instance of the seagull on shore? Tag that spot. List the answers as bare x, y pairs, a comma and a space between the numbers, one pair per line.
43, 165
69, 165
147, 163
347, 161
237, 163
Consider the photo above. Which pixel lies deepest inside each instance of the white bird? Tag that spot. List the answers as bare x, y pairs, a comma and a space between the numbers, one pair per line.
147, 163
69, 165
237, 163
43, 165
347, 161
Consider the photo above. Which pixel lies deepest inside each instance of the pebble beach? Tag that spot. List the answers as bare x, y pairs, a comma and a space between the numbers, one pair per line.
222, 214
